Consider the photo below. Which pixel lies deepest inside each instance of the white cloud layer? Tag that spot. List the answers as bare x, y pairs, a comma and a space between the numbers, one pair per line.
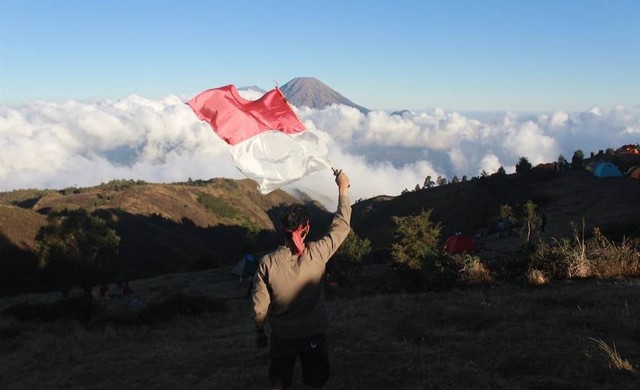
57, 145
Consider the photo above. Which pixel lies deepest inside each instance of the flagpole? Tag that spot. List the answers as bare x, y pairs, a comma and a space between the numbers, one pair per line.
290, 105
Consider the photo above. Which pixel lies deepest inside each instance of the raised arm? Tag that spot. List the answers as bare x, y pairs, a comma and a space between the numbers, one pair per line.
341, 224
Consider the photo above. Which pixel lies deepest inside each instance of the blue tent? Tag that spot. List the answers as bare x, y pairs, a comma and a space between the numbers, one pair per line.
607, 169
246, 266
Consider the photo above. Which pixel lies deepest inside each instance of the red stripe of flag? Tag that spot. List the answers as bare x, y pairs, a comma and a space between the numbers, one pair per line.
235, 119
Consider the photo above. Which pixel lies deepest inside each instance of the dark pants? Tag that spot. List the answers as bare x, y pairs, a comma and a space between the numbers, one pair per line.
314, 360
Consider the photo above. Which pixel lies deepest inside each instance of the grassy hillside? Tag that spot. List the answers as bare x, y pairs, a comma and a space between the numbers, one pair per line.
18, 229
203, 224
566, 335
20, 226
473, 206
163, 227
194, 329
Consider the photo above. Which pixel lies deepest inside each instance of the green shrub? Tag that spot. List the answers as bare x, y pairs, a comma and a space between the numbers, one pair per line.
195, 183
347, 262
71, 191
552, 259
76, 249
445, 271
121, 184
523, 165
531, 222
440, 272
416, 237
218, 206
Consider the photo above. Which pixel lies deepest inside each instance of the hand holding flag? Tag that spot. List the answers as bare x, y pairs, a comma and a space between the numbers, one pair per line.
268, 142
342, 180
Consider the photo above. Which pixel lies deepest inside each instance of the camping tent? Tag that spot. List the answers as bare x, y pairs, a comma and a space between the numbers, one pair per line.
592, 166
246, 266
634, 173
607, 169
631, 149
459, 243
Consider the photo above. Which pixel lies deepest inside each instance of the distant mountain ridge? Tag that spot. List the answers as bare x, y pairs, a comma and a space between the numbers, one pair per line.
252, 88
403, 113
313, 93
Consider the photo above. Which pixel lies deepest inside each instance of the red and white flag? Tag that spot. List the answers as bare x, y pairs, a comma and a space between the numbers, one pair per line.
268, 142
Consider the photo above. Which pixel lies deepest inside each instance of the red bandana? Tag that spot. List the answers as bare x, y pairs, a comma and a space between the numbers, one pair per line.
298, 236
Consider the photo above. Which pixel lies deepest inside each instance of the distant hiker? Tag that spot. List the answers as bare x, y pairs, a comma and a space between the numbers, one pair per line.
501, 227
289, 292
117, 291
103, 290
543, 222
479, 239
126, 290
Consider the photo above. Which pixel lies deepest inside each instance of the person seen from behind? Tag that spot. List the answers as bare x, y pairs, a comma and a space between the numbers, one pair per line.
289, 292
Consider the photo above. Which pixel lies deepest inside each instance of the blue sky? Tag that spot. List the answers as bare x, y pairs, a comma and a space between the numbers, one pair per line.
465, 55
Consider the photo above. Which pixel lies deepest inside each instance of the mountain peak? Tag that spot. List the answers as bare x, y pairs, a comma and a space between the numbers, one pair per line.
311, 92
252, 88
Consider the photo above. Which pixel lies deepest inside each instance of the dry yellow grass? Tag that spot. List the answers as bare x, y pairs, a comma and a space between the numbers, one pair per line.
611, 355
536, 277
476, 273
20, 226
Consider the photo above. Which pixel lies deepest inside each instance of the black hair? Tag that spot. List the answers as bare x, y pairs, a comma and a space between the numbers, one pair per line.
295, 216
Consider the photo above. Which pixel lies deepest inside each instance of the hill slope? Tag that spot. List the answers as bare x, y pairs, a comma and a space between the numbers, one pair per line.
163, 227
188, 226
612, 204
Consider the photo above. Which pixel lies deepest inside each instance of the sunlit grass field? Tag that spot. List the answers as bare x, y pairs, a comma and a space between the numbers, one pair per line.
562, 335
